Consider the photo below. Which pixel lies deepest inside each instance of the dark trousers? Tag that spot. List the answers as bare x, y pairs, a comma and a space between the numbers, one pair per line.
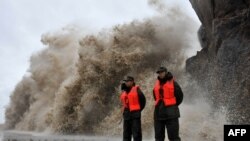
172, 126
131, 128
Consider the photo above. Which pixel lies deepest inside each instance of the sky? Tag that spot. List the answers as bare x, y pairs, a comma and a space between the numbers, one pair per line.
24, 21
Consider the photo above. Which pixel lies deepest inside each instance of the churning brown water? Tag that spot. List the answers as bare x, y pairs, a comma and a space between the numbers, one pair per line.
72, 86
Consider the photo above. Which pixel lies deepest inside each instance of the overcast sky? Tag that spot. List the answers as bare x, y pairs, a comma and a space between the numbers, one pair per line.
24, 21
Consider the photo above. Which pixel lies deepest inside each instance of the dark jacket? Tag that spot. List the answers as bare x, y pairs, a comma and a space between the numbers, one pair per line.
127, 115
161, 111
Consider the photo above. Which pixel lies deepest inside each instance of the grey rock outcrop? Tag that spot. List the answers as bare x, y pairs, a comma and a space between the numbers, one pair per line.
222, 67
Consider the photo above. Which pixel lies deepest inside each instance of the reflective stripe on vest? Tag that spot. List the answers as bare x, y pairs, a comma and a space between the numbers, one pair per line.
131, 100
168, 93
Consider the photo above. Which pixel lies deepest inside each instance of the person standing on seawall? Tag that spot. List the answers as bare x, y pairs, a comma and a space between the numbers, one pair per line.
168, 96
133, 101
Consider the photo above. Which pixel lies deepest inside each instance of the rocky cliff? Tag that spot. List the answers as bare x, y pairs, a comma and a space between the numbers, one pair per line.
223, 65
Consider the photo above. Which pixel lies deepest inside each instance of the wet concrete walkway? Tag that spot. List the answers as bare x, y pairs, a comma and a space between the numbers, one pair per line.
30, 136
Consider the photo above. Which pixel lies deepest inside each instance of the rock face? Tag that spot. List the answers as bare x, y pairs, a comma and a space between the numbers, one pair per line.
222, 67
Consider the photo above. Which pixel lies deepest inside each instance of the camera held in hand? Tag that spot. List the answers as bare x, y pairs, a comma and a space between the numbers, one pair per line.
123, 87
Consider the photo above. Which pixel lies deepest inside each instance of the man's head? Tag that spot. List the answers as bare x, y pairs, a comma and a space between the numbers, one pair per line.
162, 71
129, 81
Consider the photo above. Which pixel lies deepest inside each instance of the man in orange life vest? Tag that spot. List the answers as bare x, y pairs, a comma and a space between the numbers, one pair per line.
168, 96
133, 101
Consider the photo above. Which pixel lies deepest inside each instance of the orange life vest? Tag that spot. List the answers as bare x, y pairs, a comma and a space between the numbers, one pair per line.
131, 100
168, 93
